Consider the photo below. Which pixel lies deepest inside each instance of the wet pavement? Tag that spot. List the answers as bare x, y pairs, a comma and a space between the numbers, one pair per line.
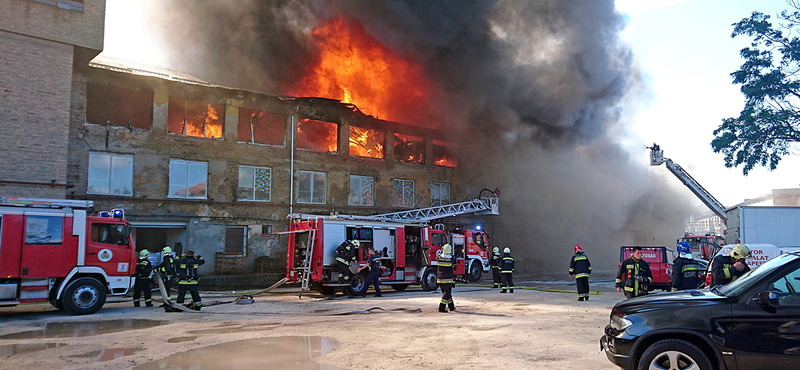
82, 329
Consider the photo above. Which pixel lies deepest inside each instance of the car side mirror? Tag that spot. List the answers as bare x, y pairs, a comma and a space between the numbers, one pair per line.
768, 299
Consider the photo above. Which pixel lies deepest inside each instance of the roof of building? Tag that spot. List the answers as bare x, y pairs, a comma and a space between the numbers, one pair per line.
118, 65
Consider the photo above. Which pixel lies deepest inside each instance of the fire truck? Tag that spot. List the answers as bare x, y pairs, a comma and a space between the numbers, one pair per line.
52, 251
407, 244
703, 246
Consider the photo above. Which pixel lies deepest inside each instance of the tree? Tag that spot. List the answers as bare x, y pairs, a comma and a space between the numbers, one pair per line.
769, 124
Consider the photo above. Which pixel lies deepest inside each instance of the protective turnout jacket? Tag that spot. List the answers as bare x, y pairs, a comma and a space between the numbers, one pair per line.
723, 272
346, 252
187, 269
684, 274
507, 266
167, 266
628, 271
143, 268
580, 266
496, 260
445, 272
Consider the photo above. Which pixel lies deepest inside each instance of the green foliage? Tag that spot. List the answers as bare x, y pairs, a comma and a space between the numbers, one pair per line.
769, 124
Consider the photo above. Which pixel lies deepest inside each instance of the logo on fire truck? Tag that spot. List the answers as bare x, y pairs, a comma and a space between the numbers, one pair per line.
105, 255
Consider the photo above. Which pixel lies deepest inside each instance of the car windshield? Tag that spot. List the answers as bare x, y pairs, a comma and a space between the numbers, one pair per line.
754, 276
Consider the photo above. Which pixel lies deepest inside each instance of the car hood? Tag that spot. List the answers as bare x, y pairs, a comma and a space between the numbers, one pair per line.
689, 298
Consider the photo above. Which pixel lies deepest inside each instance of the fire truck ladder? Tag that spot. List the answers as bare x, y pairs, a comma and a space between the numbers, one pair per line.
481, 206
305, 273
657, 158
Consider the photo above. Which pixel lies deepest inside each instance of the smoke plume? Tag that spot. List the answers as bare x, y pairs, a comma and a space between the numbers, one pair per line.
540, 85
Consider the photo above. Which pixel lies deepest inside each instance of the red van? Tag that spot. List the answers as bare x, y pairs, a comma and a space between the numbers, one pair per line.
660, 264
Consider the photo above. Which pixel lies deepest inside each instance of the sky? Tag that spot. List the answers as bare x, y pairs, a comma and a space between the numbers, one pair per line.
684, 53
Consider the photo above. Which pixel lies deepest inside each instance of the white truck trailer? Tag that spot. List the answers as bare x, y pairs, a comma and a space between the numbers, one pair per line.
779, 226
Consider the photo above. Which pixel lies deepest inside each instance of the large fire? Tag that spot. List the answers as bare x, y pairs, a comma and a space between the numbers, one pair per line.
355, 68
366, 142
444, 154
317, 135
409, 148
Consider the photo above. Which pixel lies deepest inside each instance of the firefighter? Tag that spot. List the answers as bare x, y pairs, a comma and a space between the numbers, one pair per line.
374, 265
143, 270
495, 262
506, 269
188, 278
580, 268
634, 275
445, 277
725, 269
345, 255
167, 270
684, 269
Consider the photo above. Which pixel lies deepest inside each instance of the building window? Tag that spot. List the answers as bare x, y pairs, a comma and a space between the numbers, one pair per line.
318, 135
255, 183
236, 239
444, 154
187, 179
403, 193
366, 142
266, 229
110, 174
43, 230
111, 106
409, 148
193, 118
310, 187
361, 191
259, 127
74, 5
440, 193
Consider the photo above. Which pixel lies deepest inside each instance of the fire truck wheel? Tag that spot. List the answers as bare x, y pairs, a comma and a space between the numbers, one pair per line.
399, 287
475, 271
358, 285
83, 296
429, 279
327, 290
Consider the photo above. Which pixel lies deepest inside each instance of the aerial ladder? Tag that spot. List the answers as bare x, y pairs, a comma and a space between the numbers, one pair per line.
657, 158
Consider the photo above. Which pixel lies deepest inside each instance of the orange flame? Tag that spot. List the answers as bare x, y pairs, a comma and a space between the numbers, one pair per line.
213, 125
365, 142
444, 154
355, 68
317, 135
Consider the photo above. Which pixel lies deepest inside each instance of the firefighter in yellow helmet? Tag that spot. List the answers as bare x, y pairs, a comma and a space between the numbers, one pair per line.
506, 271
143, 270
495, 262
445, 277
725, 269
168, 269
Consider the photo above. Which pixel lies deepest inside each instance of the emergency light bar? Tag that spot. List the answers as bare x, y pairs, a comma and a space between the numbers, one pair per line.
50, 203
114, 213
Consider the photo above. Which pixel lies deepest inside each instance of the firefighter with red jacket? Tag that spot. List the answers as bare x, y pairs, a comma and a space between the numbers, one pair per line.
445, 277
580, 268
495, 262
143, 270
345, 255
188, 278
634, 275
506, 271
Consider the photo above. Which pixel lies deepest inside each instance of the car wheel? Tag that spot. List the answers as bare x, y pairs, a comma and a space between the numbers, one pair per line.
674, 354
475, 271
429, 280
358, 286
399, 287
83, 296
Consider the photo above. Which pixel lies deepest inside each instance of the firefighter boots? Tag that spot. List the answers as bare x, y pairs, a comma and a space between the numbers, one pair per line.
442, 308
580, 299
511, 290
451, 306
503, 291
135, 303
148, 304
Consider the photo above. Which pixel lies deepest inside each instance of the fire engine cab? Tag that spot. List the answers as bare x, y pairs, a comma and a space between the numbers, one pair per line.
51, 251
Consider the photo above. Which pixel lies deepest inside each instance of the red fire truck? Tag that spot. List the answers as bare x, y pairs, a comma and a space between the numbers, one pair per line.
406, 244
51, 251
703, 246
660, 264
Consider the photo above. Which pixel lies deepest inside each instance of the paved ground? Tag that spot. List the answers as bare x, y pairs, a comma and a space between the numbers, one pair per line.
530, 329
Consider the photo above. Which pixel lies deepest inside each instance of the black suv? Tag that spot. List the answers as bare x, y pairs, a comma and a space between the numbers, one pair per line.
752, 323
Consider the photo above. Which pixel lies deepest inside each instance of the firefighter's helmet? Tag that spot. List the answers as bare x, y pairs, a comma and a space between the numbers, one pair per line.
144, 253
166, 250
507, 250
447, 249
356, 242
740, 251
578, 248
684, 249
496, 250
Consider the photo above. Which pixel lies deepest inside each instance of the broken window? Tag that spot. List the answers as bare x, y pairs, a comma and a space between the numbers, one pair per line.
110, 174
403, 193
255, 183
111, 106
366, 142
317, 135
440, 193
361, 191
444, 154
261, 127
409, 148
194, 118
187, 179
310, 187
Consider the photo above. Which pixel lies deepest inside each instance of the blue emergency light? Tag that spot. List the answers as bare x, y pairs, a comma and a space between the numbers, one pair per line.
103, 214
118, 213
478, 227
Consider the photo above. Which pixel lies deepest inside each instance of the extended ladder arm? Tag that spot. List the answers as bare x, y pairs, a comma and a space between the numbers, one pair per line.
657, 158
481, 206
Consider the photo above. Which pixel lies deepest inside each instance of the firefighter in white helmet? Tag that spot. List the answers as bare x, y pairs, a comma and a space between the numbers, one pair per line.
506, 271
445, 277
725, 269
345, 255
495, 262
143, 270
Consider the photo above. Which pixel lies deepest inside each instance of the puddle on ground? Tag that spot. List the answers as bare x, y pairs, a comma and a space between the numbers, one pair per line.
234, 329
269, 353
108, 354
82, 329
15, 349
181, 339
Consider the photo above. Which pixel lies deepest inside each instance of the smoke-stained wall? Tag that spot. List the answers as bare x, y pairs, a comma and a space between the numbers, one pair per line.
539, 85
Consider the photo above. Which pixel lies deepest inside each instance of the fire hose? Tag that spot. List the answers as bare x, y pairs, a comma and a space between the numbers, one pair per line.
243, 299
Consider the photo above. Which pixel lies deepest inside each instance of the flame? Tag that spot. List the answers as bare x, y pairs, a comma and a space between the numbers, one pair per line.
355, 68
444, 154
212, 124
409, 148
366, 142
317, 135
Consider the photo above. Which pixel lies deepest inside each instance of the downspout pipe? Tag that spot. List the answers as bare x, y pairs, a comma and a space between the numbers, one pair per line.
291, 165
